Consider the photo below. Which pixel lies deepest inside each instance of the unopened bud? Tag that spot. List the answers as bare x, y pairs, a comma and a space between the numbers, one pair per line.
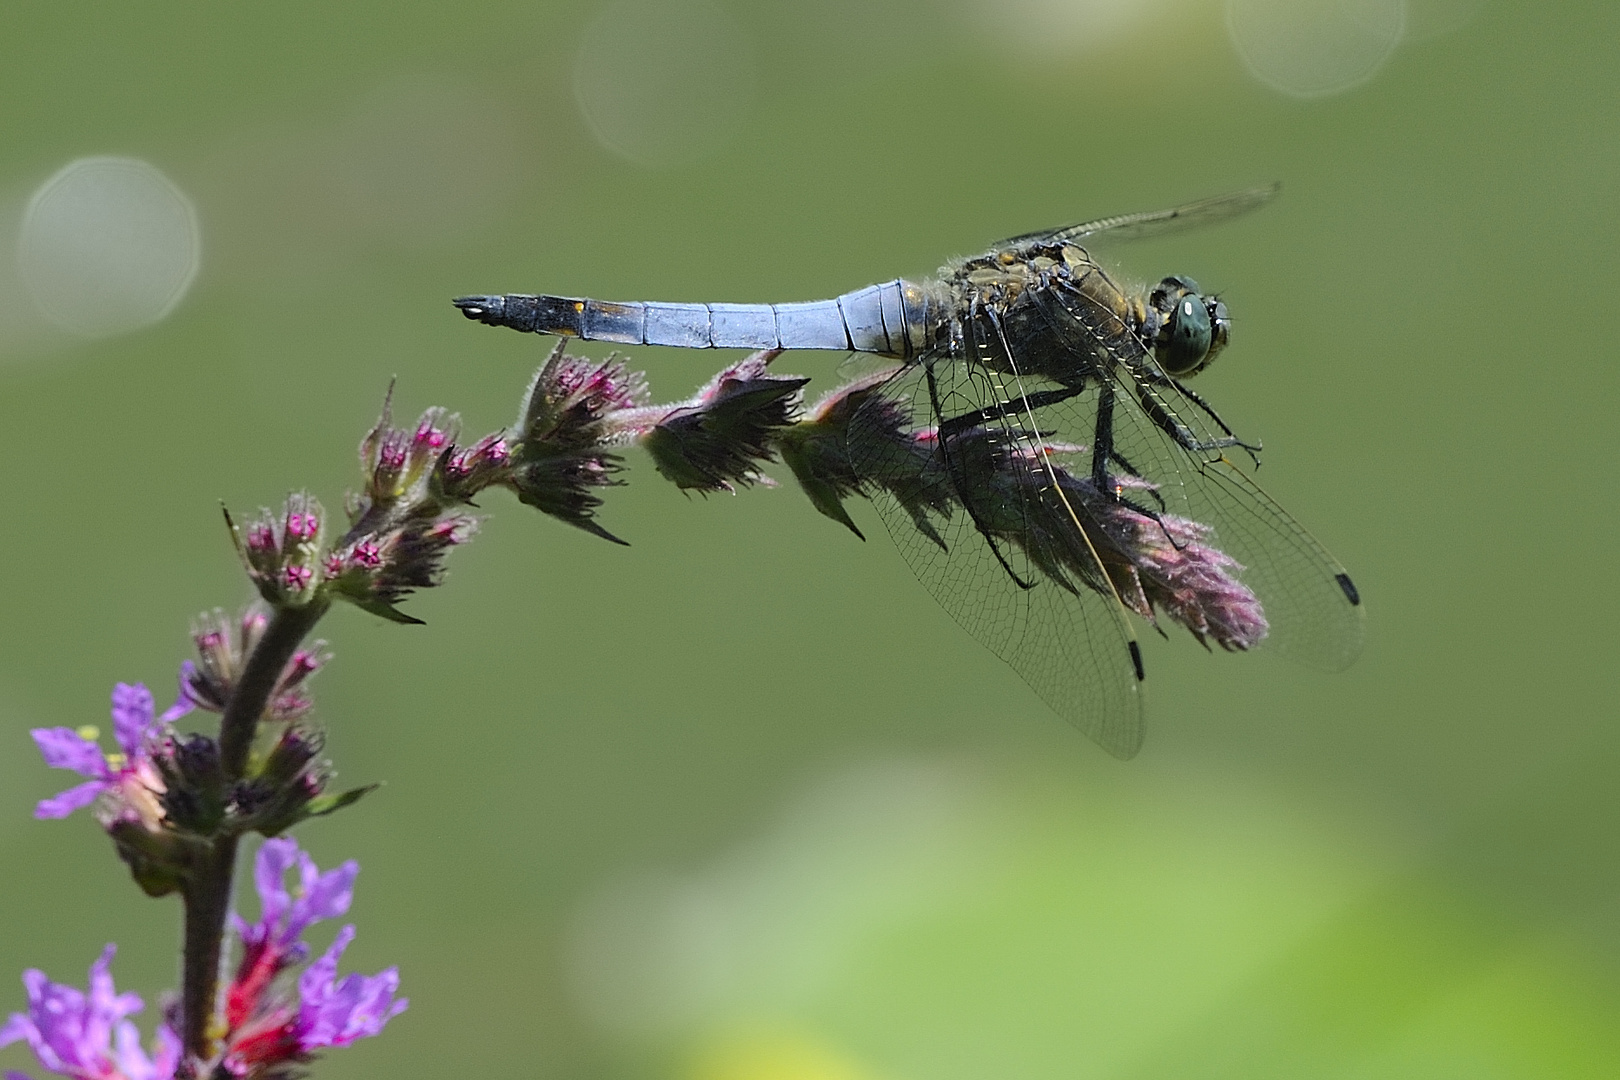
718, 438
855, 441
281, 552
378, 571
223, 646
158, 860
194, 782
463, 472
396, 462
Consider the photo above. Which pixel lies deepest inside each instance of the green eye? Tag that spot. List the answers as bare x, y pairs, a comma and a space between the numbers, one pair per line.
1184, 342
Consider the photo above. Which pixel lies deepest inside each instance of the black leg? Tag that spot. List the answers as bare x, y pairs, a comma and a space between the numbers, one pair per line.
953, 469
1102, 440
1171, 425
1003, 409
1252, 449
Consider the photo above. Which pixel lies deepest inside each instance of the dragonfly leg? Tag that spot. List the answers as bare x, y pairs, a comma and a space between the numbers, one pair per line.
1253, 449
1102, 441
1123, 462
1001, 410
1171, 425
954, 470
1103, 452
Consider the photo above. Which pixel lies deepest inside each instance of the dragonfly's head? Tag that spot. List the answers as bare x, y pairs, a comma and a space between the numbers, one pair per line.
1187, 329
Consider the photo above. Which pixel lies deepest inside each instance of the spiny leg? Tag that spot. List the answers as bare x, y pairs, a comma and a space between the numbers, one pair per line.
955, 472
1004, 409
1103, 452
1252, 449
1166, 420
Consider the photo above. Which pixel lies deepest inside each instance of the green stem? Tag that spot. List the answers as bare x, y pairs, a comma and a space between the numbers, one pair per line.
287, 629
207, 893
207, 903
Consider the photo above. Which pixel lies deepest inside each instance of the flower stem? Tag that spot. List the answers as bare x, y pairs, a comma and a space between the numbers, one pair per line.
207, 902
207, 893
240, 723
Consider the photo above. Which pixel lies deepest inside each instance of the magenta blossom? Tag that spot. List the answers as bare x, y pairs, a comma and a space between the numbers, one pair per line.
335, 1012
284, 915
86, 1036
267, 1025
127, 778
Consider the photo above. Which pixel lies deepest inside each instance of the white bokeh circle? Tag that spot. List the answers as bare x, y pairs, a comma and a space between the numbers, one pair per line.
663, 82
108, 245
1064, 29
1313, 48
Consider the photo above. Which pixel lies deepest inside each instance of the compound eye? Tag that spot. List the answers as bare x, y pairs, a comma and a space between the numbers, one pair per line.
1184, 342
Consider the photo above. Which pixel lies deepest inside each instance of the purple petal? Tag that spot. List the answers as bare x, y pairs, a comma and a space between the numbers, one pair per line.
326, 897
34, 985
61, 1008
64, 748
166, 1058
308, 873
183, 702
132, 716
358, 1007
182, 705
275, 858
104, 999
13, 1075
106, 1007
376, 1004
61, 805
130, 1058
336, 1014
315, 984
18, 1027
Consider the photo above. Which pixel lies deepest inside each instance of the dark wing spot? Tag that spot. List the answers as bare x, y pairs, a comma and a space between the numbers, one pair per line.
1349, 588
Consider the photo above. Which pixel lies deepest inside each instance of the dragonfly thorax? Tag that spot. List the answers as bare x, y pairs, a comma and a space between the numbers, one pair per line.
1046, 309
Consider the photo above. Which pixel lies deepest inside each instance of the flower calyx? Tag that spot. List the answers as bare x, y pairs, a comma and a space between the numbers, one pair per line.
282, 552
716, 440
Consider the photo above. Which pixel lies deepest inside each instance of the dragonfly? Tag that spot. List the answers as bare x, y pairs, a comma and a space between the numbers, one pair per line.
1048, 405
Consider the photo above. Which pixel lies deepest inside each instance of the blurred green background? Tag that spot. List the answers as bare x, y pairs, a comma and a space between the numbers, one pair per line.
739, 802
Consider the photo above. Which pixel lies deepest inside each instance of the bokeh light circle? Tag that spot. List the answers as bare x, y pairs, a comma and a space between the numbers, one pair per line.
1313, 48
1064, 29
663, 82
108, 245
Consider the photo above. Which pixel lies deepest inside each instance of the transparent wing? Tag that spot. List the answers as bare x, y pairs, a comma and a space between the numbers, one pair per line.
1156, 222
1310, 603
1073, 645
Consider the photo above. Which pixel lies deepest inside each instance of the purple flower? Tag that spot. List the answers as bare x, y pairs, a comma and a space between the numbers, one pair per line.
127, 778
265, 1025
284, 915
86, 1036
335, 1013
